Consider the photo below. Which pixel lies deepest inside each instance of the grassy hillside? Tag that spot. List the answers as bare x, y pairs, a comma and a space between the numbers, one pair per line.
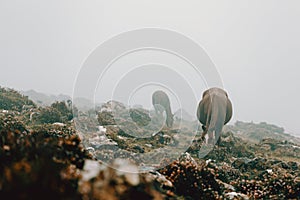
12, 100
256, 132
41, 159
42, 99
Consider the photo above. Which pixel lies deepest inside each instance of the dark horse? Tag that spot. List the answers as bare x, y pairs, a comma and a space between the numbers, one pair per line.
161, 99
214, 111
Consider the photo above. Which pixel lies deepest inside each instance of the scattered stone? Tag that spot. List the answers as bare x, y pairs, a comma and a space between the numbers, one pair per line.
119, 181
148, 145
235, 195
140, 116
59, 124
91, 169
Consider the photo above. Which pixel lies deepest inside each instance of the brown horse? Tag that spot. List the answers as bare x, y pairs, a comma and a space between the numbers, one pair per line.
214, 111
161, 99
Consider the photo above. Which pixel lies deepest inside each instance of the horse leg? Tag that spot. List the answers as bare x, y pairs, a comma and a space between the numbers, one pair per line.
211, 137
203, 134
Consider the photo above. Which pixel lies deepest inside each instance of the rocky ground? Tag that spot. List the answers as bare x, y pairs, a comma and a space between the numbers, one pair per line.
55, 161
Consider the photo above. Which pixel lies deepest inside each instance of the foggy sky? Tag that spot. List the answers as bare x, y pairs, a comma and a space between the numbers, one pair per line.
254, 44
